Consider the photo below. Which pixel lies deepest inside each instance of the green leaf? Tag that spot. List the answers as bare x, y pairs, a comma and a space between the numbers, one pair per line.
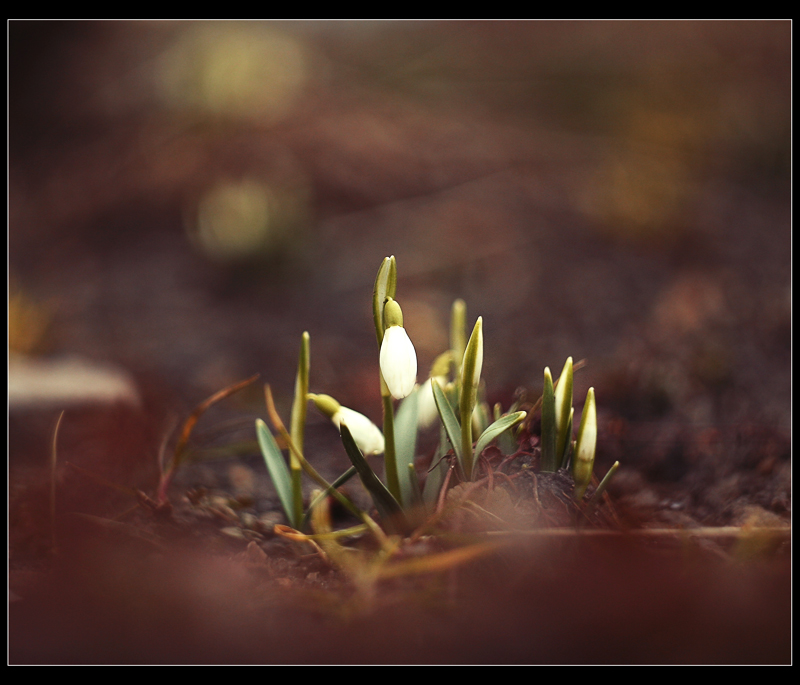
563, 402
387, 506
549, 464
449, 420
278, 471
458, 333
568, 446
471, 368
341, 480
498, 427
300, 404
405, 440
585, 446
598, 493
297, 425
506, 441
470, 378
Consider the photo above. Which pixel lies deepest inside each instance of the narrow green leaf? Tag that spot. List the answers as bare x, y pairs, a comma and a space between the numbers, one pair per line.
278, 471
341, 480
389, 454
449, 420
471, 368
458, 333
498, 427
568, 446
300, 404
585, 446
598, 493
470, 378
549, 463
387, 506
297, 425
277, 422
506, 440
563, 401
405, 439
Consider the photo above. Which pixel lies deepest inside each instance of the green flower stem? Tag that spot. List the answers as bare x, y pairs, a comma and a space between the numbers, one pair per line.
298, 424
322, 494
386, 287
466, 442
389, 455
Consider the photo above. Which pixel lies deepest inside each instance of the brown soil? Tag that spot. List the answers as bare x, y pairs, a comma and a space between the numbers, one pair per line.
617, 192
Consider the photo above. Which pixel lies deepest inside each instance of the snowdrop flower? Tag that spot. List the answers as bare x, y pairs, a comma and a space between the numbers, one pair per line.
398, 356
366, 434
426, 407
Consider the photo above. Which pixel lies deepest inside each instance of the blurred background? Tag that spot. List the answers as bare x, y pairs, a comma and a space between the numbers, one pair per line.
187, 198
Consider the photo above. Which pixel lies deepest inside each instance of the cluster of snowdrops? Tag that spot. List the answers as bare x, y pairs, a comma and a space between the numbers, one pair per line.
451, 394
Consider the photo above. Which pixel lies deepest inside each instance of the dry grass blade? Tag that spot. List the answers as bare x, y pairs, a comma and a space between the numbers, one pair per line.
188, 426
201, 408
104, 481
296, 536
442, 561
53, 462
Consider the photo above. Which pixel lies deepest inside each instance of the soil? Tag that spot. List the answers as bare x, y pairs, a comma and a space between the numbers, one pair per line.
616, 192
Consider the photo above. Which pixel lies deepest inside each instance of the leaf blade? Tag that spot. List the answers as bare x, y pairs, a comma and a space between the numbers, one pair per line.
502, 424
451, 425
385, 503
405, 438
278, 471
548, 424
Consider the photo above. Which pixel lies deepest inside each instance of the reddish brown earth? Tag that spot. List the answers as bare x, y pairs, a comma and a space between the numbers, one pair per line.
618, 192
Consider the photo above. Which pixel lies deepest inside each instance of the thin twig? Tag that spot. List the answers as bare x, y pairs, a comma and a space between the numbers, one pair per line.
53, 461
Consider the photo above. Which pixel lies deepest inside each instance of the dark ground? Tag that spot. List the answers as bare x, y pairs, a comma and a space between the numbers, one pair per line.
618, 192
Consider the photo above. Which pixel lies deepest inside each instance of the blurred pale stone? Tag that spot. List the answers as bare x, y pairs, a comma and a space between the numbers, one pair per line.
67, 381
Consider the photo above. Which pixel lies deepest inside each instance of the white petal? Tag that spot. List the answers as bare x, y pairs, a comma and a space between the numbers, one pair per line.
367, 435
426, 407
398, 362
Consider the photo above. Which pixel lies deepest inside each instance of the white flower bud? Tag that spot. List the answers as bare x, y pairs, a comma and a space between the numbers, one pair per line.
366, 434
585, 446
398, 362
